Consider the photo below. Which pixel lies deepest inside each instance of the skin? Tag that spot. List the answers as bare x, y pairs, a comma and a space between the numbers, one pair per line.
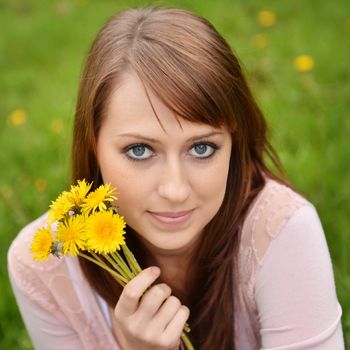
171, 178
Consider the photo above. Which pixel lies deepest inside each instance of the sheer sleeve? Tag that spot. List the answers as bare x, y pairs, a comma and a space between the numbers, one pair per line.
56, 301
45, 329
295, 292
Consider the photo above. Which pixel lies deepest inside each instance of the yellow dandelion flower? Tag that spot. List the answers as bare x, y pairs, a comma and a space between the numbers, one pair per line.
71, 234
60, 207
104, 232
7, 191
41, 244
98, 198
347, 24
80, 2
78, 192
18, 117
267, 18
304, 63
260, 40
57, 126
40, 184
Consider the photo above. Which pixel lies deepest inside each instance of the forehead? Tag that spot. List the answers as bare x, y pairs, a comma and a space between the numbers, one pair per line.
129, 109
129, 102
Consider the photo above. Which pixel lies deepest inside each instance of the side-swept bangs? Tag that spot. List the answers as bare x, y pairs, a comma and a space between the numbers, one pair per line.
181, 60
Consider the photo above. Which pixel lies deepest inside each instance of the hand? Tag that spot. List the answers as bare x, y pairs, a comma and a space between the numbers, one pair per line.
153, 323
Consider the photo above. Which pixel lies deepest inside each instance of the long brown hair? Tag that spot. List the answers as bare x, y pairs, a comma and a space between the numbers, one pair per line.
190, 67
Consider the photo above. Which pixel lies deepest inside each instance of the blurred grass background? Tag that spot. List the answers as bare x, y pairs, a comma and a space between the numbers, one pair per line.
305, 99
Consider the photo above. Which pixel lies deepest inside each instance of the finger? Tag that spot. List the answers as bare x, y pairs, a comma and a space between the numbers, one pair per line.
132, 292
166, 313
174, 329
153, 299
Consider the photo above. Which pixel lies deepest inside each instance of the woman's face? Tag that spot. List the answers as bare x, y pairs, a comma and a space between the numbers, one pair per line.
170, 181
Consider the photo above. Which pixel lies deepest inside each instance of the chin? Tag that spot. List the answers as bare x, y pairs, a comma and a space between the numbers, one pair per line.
170, 245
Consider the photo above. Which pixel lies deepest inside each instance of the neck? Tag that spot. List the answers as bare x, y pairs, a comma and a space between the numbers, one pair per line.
173, 265
174, 273
169, 259
174, 268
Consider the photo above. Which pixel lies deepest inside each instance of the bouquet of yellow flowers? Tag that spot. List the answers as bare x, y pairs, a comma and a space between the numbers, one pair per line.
88, 223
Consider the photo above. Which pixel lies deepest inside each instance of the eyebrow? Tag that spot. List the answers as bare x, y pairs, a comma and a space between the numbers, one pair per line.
150, 139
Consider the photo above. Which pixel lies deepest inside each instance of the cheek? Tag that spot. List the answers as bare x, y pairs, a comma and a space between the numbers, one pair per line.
215, 191
210, 186
113, 166
216, 183
219, 173
132, 190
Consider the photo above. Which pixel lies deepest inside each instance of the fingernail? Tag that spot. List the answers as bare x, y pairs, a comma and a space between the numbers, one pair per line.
155, 270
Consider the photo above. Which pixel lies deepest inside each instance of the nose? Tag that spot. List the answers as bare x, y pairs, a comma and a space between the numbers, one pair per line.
174, 185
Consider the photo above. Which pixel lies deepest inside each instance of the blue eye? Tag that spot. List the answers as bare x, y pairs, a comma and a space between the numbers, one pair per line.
138, 152
203, 150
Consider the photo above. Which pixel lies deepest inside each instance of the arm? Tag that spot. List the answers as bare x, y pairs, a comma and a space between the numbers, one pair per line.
45, 330
46, 323
295, 292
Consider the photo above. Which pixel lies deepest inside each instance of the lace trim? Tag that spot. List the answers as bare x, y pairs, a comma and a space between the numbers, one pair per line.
270, 212
50, 285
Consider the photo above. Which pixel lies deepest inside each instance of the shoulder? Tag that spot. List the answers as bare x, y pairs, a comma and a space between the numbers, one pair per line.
277, 212
19, 251
29, 276
271, 210
269, 213
58, 287
294, 284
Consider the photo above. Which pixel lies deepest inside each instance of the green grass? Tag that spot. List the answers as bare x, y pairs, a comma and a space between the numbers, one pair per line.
42, 47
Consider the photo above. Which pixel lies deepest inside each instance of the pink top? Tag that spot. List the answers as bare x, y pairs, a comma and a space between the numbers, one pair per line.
288, 299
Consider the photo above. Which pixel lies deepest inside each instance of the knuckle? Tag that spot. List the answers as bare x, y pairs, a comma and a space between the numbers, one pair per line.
117, 315
161, 290
134, 330
174, 301
149, 338
129, 293
185, 310
168, 343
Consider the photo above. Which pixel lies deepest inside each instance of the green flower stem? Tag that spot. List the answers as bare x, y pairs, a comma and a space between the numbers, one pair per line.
98, 258
120, 279
118, 266
186, 341
123, 274
131, 259
121, 262
118, 257
137, 269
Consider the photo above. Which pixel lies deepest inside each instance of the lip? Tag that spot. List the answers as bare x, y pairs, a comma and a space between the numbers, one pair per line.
172, 218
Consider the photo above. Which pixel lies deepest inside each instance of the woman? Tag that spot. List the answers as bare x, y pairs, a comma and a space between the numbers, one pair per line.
165, 114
